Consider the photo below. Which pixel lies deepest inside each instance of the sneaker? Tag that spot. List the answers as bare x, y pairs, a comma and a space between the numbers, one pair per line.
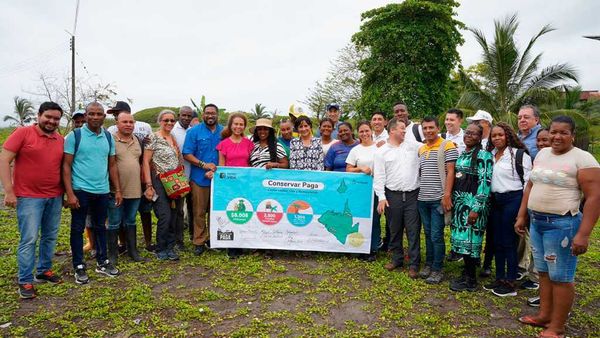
521, 275
81, 276
529, 285
162, 255
48, 276
107, 269
425, 272
506, 289
435, 277
534, 301
172, 255
454, 257
463, 284
199, 250
492, 285
27, 291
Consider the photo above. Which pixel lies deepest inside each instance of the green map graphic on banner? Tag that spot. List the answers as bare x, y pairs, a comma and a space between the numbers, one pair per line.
291, 210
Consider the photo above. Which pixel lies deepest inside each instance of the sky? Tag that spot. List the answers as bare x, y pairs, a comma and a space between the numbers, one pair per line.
238, 53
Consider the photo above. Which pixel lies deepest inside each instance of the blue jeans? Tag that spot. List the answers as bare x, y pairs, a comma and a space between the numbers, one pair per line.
96, 204
551, 239
504, 210
125, 213
37, 215
432, 215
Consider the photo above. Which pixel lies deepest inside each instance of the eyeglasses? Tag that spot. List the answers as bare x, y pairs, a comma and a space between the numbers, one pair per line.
471, 133
168, 121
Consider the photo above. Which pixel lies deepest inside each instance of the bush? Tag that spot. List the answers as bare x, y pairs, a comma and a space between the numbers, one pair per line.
149, 115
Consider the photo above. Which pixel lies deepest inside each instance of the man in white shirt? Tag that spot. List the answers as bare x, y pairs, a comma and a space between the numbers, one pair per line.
414, 131
396, 185
485, 120
378, 123
140, 129
454, 133
178, 132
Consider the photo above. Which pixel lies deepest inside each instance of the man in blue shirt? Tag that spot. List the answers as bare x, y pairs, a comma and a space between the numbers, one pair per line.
88, 150
200, 150
529, 125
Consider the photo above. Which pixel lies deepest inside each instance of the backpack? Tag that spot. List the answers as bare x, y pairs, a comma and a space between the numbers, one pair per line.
519, 165
415, 131
77, 134
441, 162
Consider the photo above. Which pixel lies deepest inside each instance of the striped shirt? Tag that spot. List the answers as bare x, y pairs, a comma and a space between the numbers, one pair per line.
260, 156
431, 184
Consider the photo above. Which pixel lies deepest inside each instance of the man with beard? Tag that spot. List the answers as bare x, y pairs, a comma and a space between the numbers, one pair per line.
87, 151
200, 150
38, 197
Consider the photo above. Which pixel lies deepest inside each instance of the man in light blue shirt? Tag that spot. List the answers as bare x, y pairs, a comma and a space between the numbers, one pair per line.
89, 157
529, 125
200, 150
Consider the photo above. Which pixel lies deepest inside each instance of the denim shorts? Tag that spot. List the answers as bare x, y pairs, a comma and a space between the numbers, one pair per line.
551, 239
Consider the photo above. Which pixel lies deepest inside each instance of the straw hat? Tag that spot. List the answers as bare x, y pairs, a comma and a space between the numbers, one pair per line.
264, 123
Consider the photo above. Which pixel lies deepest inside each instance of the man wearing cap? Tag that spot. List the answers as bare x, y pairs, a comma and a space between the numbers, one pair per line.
88, 151
34, 150
333, 113
141, 130
78, 119
179, 132
414, 131
529, 125
485, 120
200, 150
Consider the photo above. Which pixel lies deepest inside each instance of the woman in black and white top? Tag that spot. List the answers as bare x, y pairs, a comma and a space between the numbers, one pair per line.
512, 165
306, 152
267, 152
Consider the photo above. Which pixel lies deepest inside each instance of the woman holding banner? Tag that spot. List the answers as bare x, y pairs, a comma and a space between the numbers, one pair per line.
267, 152
326, 129
306, 152
335, 159
360, 160
234, 151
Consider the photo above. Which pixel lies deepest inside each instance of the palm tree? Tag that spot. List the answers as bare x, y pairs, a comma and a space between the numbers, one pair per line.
259, 112
23, 113
509, 77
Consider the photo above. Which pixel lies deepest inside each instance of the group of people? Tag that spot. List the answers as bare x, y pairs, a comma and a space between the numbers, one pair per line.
520, 190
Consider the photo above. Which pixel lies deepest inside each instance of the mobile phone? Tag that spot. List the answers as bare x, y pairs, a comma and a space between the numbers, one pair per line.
155, 197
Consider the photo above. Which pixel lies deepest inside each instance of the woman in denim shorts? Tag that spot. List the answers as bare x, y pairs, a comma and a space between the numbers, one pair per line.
559, 232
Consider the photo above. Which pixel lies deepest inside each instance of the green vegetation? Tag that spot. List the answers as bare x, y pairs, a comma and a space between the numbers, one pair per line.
292, 294
150, 115
412, 50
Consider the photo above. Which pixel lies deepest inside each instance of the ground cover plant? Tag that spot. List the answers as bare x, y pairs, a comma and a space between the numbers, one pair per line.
291, 294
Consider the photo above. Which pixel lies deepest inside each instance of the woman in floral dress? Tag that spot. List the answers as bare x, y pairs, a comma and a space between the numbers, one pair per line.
470, 195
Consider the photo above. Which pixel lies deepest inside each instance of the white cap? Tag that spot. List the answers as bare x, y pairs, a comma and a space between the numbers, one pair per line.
481, 115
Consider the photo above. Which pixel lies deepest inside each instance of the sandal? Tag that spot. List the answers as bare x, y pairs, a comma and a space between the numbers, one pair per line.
545, 334
529, 320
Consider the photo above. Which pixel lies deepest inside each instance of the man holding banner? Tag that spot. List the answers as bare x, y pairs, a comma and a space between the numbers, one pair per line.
200, 150
396, 184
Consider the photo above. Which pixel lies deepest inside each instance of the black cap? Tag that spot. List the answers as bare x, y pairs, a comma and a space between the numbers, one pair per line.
119, 107
333, 106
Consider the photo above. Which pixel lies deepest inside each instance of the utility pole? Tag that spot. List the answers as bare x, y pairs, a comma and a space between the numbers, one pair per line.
72, 74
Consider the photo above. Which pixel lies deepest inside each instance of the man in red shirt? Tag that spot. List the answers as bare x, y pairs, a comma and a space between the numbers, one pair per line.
36, 190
